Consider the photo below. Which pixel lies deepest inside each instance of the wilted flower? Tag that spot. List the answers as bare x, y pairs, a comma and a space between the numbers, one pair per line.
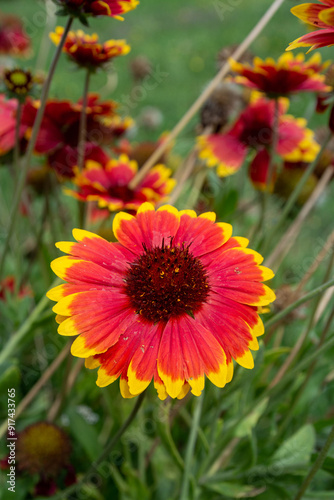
109, 185
175, 299
86, 50
13, 39
320, 16
286, 76
44, 449
253, 131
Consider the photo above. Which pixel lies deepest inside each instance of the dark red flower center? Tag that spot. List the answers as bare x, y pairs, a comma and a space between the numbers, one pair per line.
166, 282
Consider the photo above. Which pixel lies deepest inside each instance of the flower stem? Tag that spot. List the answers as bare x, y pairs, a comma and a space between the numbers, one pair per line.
190, 448
207, 92
83, 124
316, 466
31, 145
17, 140
104, 455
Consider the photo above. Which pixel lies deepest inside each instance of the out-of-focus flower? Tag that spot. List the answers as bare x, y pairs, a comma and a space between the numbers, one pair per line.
224, 104
111, 8
288, 178
8, 113
8, 285
253, 131
19, 82
44, 449
86, 50
320, 15
59, 134
108, 185
174, 299
150, 117
13, 39
286, 76
259, 167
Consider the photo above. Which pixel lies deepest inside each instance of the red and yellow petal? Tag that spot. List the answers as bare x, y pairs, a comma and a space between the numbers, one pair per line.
224, 151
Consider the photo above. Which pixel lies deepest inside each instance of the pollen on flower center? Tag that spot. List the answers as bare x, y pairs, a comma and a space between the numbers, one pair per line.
166, 282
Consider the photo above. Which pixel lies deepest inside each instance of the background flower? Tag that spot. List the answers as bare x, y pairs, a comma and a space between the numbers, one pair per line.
109, 184
86, 50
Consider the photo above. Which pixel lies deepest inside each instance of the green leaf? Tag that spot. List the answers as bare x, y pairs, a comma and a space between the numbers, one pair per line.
85, 433
245, 427
296, 450
328, 464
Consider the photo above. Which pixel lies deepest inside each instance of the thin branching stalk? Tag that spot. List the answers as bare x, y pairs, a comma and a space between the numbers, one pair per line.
191, 448
316, 466
31, 145
207, 92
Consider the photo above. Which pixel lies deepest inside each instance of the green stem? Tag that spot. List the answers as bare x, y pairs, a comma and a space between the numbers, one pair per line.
17, 140
31, 146
104, 455
17, 337
295, 194
299, 302
190, 449
316, 466
83, 124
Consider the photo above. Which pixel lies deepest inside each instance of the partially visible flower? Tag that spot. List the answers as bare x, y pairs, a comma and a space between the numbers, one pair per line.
298, 161
174, 300
59, 133
253, 131
320, 16
8, 285
8, 112
19, 82
108, 185
286, 76
111, 8
226, 52
86, 50
13, 39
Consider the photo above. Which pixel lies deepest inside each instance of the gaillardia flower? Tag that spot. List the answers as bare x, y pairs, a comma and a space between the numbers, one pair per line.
109, 185
284, 77
253, 132
13, 39
174, 299
86, 50
320, 15
111, 8
18, 81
